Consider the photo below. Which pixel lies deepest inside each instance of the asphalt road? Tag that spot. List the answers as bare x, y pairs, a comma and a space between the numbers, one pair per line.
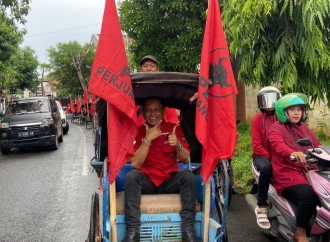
241, 222
45, 195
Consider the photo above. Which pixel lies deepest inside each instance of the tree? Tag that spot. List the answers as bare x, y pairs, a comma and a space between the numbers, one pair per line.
70, 64
281, 41
12, 12
20, 71
172, 30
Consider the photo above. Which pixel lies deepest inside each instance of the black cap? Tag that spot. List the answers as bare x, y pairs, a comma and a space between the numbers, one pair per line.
148, 57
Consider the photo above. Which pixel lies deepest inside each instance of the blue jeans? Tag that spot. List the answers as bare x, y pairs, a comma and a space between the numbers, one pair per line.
265, 168
137, 183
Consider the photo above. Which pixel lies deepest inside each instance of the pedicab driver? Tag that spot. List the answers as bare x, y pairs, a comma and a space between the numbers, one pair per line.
158, 145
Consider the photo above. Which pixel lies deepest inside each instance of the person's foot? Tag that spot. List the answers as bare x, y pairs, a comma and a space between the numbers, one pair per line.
262, 218
234, 190
189, 235
131, 236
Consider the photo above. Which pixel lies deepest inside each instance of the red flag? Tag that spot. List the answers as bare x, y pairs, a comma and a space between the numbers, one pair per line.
110, 80
59, 100
92, 110
85, 97
78, 104
215, 110
72, 105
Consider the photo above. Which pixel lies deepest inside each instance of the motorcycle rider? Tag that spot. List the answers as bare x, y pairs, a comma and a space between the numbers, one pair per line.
266, 99
289, 179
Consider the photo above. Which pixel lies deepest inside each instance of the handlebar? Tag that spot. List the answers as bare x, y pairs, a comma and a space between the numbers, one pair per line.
309, 159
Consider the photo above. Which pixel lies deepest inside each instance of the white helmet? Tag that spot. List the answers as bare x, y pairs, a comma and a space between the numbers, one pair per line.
267, 97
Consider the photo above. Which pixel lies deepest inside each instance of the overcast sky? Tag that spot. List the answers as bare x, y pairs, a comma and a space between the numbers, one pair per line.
52, 21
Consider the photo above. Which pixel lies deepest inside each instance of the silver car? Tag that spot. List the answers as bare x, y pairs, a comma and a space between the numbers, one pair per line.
65, 123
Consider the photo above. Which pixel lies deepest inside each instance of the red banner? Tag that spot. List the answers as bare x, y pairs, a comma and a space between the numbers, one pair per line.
110, 80
215, 109
59, 100
72, 106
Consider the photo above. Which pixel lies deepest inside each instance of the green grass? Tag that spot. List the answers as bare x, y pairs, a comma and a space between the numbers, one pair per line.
243, 156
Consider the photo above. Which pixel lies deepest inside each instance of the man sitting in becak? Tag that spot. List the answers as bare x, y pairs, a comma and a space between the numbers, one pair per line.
158, 147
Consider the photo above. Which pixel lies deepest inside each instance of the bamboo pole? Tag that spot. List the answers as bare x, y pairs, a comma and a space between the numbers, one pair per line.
207, 205
113, 214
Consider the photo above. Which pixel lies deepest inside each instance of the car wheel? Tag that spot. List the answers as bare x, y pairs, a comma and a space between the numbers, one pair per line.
60, 139
55, 145
66, 128
5, 151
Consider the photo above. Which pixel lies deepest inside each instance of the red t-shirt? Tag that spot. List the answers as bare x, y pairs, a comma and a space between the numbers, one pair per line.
260, 126
287, 173
161, 161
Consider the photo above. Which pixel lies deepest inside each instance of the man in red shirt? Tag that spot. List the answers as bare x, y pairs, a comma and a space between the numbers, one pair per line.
158, 147
266, 98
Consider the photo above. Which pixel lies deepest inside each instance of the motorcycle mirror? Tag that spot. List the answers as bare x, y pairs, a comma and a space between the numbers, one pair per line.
304, 142
308, 142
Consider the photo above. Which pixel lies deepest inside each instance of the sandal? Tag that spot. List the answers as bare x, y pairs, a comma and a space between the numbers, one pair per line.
261, 214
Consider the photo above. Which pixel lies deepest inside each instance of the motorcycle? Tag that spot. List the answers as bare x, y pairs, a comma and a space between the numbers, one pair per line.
281, 213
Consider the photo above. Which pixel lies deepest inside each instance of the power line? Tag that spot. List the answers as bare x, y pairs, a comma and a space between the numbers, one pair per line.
61, 30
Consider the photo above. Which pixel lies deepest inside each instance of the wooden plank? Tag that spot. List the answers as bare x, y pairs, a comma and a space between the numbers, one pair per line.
207, 209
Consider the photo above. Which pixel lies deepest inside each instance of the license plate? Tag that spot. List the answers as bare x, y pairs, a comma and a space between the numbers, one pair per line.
25, 134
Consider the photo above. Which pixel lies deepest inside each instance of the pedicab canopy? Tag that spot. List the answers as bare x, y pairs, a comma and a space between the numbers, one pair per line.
215, 112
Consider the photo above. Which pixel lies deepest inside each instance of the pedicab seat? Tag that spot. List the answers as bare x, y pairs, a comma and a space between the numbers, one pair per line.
154, 203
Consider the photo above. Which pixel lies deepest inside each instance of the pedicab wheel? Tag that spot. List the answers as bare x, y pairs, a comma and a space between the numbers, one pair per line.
94, 227
217, 216
221, 184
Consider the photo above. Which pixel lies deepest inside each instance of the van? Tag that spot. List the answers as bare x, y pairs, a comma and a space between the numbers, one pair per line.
31, 122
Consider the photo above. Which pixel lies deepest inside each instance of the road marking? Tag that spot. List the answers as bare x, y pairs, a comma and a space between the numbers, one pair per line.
85, 164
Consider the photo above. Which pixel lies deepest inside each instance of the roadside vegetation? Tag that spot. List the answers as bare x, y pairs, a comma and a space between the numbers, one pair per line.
242, 159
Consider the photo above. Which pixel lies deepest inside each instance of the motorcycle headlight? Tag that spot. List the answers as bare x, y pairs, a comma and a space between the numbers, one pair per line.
4, 125
47, 121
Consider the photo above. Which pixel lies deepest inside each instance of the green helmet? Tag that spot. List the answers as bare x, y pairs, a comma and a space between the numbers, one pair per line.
289, 100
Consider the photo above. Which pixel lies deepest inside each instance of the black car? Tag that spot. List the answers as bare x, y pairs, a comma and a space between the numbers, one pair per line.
31, 122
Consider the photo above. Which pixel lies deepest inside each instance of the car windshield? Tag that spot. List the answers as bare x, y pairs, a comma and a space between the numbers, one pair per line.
27, 106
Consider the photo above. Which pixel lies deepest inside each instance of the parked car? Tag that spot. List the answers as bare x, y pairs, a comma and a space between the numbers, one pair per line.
31, 122
65, 123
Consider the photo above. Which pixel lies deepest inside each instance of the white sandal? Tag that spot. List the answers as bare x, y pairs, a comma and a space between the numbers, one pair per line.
261, 214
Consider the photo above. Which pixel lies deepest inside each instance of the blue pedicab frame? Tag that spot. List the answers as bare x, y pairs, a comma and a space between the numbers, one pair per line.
174, 89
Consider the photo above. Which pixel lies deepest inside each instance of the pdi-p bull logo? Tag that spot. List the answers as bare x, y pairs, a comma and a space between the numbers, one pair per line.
220, 75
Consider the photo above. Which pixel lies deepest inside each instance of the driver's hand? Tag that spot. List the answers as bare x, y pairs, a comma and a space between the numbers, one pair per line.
299, 156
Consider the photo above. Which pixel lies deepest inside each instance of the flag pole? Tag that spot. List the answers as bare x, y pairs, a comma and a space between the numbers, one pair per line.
112, 199
113, 214
207, 209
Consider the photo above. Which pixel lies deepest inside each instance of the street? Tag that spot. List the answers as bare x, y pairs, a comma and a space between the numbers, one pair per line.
46, 195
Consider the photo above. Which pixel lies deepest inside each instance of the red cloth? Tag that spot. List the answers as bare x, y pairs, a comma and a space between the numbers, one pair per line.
72, 105
171, 116
215, 109
78, 108
287, 173
161, 160
110, 80
59, 100
260, 126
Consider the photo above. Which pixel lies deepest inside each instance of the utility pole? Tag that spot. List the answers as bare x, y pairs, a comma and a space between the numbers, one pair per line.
42, 80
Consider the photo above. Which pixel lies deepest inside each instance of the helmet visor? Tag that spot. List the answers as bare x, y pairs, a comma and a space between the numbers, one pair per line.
267, 100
